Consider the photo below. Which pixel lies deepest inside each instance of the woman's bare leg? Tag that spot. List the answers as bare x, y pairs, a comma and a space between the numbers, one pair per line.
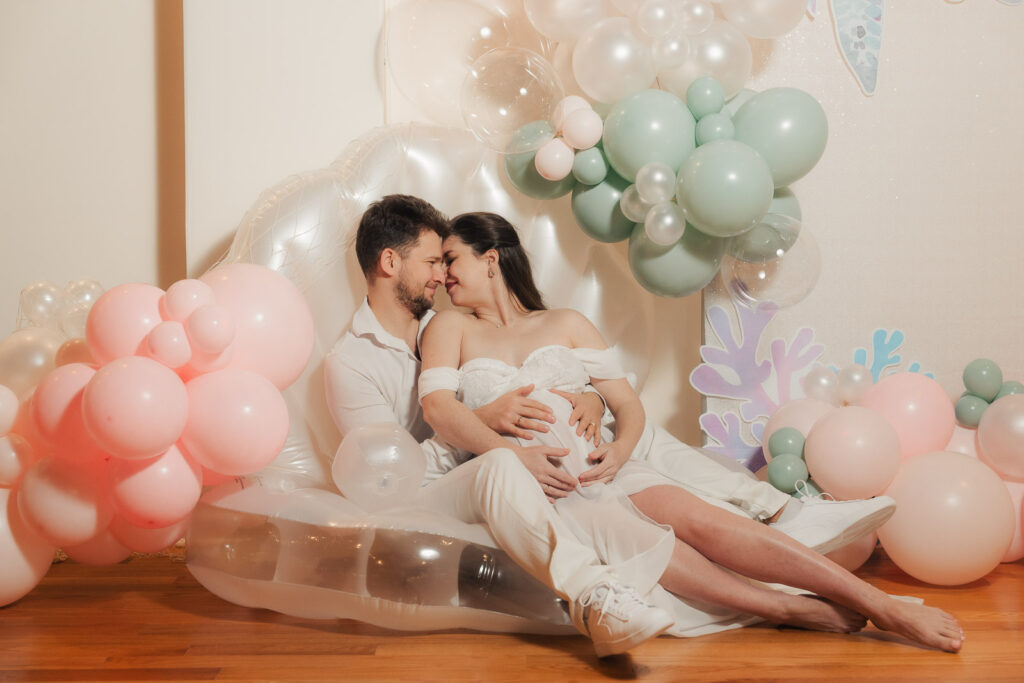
760, 552
692, 576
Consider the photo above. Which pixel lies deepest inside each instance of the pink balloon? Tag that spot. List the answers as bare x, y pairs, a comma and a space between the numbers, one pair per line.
74, 351
964, 441
168, 344
917, 407
157, 492
120, 320
210, 329
237, 421
99, 550
142, 540
16, 456
554, 160
183, 297
273, 323
57, 412
1016, 549
801, 415
9, 405
582, 128
24, 555
954, 519
135, 407
211, 478
1001, 437
852, 453
853, 555
65, 503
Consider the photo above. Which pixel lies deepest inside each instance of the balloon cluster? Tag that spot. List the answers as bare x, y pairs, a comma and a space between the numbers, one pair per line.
958, 508
180, 388
983, 381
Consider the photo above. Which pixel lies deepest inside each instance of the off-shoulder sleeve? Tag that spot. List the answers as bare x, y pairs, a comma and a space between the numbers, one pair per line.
600, 363
438, 379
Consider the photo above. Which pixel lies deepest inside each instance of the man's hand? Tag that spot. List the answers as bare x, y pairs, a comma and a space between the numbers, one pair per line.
554, 481
513, 414
587, 411
609, 458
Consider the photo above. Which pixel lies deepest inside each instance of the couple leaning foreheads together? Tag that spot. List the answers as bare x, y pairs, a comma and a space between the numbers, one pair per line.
529, 425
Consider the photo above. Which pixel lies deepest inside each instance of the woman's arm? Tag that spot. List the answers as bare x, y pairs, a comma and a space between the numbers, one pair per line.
458, 425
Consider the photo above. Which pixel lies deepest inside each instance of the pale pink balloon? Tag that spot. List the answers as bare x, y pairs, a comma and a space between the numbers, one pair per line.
1001, 437
964, 441
210, 329
16, 456
142, 540
801, 415
273, 323
852, 453
183, 297
954, 519
582, 128
168, 344
102, 549
853, 555
135, 407
156, 492
9, 405
1016, 549
211, 478
66, 503
120, 320
57, 413
74, 351
554, 160
237, 421
917, 407
566, 106
24, 555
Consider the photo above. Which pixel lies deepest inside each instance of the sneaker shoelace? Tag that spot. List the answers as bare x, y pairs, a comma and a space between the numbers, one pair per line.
619, 602
805, 493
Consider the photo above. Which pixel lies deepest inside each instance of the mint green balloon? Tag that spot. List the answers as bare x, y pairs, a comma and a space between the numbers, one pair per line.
785, 470
983, 378
520, 168
651, 125
715, 127
589, 166
597, 212
787, 127
705, 96
969, 409
1010, 387
677, 270
724, 188
773, 235
786, 440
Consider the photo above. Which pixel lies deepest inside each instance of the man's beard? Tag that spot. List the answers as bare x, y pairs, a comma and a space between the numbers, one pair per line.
417, 305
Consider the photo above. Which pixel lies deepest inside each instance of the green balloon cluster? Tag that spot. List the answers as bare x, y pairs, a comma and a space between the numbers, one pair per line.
651, 125
520, 167
787, 470
983, 380
678, 270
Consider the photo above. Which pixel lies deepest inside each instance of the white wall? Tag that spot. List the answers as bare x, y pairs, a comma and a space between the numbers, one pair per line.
78, 193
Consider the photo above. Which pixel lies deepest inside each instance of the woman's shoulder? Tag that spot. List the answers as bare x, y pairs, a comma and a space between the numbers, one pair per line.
446, 322
578, 326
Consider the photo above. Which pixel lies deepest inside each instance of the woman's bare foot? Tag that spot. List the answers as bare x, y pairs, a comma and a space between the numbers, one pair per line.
818, 614
926, 625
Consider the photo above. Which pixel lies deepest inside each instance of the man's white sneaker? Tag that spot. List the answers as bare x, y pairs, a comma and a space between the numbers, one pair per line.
616, 618
824, 525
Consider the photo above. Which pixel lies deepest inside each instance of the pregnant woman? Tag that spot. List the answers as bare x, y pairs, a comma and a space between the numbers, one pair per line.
640, 522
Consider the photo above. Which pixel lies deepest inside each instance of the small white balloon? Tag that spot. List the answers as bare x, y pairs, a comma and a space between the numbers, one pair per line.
821, 384
656, 182
694, 16
611, 60
664, 223
765, 18
656, 17
670, 50
40, 302
854, 381
566, 106
582, 128
72, 321
633, 206
82, 292
554, 160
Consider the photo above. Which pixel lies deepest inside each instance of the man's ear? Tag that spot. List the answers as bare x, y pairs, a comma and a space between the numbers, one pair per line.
389, 262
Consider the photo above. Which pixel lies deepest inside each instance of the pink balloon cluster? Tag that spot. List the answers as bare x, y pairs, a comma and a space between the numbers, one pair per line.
956, 520
185, 391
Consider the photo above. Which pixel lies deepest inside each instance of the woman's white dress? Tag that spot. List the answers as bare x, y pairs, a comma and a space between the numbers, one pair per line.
600, 515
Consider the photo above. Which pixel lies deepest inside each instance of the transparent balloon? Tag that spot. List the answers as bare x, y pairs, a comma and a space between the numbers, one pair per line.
784, 281
40, 303
854, 380
379, 466
656, 182
611, 61
822, 384
79, 292
721, 52
506, 89
73, 319
633, 205
664, 223
770, 239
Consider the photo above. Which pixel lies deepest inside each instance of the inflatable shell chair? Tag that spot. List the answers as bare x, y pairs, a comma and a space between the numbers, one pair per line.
285, 539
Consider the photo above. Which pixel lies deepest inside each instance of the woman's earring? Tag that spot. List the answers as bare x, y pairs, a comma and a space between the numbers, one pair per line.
490, 273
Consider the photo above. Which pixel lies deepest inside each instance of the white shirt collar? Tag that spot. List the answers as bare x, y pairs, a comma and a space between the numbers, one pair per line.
365, 324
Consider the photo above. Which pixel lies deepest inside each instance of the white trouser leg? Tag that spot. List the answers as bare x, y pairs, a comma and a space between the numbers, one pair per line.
495, 488
702, 475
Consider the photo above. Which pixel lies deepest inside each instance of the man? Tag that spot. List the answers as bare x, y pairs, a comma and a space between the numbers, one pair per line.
371, 377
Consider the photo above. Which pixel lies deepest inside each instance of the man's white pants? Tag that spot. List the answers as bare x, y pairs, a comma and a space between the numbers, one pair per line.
496, 488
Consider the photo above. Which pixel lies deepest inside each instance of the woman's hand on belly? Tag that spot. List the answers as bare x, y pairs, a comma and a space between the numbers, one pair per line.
587, 411
553, 480
609, 459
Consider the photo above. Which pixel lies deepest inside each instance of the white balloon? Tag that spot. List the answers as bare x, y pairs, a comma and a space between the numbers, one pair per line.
664, 223
40, 302
582, 128
764, 18
611, 61
656, 17
566, 106
82, 292
670, 50
694, 16
656, 182
821, 384
563, 20
722, 52
854, 381
26, 356
633, 206
24, 555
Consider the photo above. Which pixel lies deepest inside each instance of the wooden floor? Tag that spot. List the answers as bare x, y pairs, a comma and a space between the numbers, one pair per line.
147, 619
